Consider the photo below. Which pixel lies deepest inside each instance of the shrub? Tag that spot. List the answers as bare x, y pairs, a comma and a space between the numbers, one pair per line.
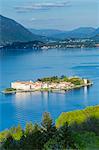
86, 140
16, 132
9, 89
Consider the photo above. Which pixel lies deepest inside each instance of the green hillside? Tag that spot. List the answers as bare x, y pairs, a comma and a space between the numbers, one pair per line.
78, 116
11, 31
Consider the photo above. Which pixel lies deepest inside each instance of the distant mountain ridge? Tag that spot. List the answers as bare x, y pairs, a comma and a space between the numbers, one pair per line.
11, 31
46, 32
82, 32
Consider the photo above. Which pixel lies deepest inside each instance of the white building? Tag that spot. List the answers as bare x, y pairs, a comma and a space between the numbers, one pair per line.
85, 81
36, 85
53, 85
45, 85
22, 85
28, 85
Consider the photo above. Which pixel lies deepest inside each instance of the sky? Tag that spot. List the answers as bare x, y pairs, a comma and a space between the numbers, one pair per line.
52, 14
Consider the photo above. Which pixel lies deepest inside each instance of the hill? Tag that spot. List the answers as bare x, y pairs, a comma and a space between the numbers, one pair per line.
82, 32
95, 33
78, 116
11, 31
46, 32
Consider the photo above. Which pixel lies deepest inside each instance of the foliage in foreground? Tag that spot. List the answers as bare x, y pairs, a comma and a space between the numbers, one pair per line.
79, 116
69, 135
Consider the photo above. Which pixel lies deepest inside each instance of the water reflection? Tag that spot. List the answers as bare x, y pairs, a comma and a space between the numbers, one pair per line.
85, 92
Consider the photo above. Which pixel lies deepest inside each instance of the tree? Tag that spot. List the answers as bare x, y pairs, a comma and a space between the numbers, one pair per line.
53, 144
16, 132
48, 127
29, 128
65, 135
7, 144
47, 121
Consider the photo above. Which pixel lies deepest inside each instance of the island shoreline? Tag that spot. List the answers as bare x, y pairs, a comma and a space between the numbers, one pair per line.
48, 90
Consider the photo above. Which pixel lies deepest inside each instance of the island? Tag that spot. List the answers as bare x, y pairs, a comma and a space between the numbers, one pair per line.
50, 84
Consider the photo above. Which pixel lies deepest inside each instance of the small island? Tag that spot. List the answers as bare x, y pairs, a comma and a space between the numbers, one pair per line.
50, 84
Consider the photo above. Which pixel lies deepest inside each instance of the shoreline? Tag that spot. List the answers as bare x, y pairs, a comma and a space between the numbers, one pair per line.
54, 90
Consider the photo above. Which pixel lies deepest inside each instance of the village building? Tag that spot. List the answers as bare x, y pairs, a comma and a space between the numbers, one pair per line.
30, 85
85, 81
36, 85
21, 85
26, 85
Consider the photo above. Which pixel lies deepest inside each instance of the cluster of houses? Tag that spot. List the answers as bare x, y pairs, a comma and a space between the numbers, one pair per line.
29, 85
69, 43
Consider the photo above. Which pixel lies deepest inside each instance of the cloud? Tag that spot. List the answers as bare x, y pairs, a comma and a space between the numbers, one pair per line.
33, 19
42, 6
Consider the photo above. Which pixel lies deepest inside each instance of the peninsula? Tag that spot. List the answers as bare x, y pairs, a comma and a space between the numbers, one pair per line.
52, 84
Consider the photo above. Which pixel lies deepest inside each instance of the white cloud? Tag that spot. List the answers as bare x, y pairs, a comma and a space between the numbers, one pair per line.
33, 19
42, 6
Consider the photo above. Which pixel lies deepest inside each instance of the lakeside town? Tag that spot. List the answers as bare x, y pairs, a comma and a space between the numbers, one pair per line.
53, 44
71, 43
48, 84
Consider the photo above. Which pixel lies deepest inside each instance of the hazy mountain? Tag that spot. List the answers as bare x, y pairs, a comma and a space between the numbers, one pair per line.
95, 35
82, 32
96, 32
11, 31
46, 32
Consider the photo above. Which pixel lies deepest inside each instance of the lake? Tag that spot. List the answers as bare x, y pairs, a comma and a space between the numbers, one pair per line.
31, 65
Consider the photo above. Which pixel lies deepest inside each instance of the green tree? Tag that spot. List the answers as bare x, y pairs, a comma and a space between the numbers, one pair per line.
33, 139
47, 121
16, 132
29, 128
7, 144
65, 135
48, 127
53, 144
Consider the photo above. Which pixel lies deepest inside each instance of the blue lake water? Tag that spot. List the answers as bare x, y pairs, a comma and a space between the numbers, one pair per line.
30, 65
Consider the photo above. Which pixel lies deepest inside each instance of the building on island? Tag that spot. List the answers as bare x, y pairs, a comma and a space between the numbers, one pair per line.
45, 85
85, 81
30, 85
36, 85
26, 85
20, 85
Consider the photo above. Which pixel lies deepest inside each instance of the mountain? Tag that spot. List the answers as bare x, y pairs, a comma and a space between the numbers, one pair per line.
95, 33
82, 32
46, 32
11, 31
